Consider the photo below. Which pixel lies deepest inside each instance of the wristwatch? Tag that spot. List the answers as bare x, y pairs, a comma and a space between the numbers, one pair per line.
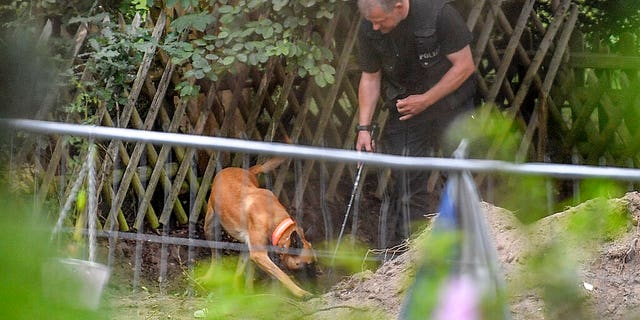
365, 127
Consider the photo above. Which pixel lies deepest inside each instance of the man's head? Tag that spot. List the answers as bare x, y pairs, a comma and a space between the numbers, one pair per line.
385, 15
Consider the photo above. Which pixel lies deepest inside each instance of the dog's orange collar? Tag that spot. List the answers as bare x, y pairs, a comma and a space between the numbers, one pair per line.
280, 230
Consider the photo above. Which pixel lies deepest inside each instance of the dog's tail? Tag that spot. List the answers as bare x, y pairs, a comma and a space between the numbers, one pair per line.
267, 166
270, 164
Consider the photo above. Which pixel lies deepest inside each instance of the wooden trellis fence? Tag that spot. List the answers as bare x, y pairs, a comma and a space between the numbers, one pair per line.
518, 58
602, 104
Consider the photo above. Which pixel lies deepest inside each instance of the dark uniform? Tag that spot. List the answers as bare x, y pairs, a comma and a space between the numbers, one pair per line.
412, 58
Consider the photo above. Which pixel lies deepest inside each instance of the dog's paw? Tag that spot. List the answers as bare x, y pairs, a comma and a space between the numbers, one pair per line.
306, 296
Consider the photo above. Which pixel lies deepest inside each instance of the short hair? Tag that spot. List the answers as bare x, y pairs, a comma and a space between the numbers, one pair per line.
366, 5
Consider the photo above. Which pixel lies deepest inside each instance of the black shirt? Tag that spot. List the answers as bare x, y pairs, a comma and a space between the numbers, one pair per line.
395, 53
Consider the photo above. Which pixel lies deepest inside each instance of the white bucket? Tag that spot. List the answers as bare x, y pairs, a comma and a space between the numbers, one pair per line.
75, 283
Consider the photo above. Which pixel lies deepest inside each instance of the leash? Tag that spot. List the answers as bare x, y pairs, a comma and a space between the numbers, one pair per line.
354, 191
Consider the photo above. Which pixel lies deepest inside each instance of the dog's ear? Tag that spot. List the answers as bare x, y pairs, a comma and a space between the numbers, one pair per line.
296, 241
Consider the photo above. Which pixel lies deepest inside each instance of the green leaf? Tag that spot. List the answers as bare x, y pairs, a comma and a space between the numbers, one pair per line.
185, 3
197, 21
324, 13
327, 68
227, 60
237, 47
252, 59
108, 54
225, 9
320, 81
199, 42
263, 57
279, 4
268, 32
227, 18
302, 72
199, 62
328, 77
307, 3
190, 73
254, 3
291, 22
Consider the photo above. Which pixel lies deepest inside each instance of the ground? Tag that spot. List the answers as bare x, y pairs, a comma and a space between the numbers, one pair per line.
608, 278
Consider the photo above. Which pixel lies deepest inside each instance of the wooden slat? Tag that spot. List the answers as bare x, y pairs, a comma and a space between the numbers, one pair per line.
485, 33
259, 98
231, 111
139, 148
333, 93
514, 41
123, 119
474, 14
603, 61
162, 157
54, 161
135, 181
539, 118
180, 177
540, 55
201, 196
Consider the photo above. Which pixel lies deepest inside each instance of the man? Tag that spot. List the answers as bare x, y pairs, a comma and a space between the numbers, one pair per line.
416, 55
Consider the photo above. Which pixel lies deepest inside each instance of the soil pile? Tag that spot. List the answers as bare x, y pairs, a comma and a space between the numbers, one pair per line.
608, 278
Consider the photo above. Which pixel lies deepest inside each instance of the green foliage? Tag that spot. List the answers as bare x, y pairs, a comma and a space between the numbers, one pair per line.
111, 58
132, 7
600, 218
436, 250
351, 256
564, 240
228, 298
525, 195
251, 33
183, 3
488, 129
604, 18
552, 271
602, 21
26, 249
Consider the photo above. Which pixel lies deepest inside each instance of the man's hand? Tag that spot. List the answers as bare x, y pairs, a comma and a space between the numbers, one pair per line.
411, 106
462, 67
364, 141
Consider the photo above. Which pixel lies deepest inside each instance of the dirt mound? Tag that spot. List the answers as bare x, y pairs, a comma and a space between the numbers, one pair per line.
609, 278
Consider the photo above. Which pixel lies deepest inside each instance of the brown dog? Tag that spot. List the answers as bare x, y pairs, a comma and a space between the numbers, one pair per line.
254, 215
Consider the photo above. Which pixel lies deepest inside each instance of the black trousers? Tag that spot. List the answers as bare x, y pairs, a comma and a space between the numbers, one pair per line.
408, 198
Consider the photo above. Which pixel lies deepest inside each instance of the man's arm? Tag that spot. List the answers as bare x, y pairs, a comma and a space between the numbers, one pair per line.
368, 95
462, 68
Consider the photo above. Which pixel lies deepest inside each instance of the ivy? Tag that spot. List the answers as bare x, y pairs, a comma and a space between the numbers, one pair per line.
111, 57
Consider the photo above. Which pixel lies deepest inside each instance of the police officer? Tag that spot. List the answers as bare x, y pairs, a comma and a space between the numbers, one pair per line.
416, 55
